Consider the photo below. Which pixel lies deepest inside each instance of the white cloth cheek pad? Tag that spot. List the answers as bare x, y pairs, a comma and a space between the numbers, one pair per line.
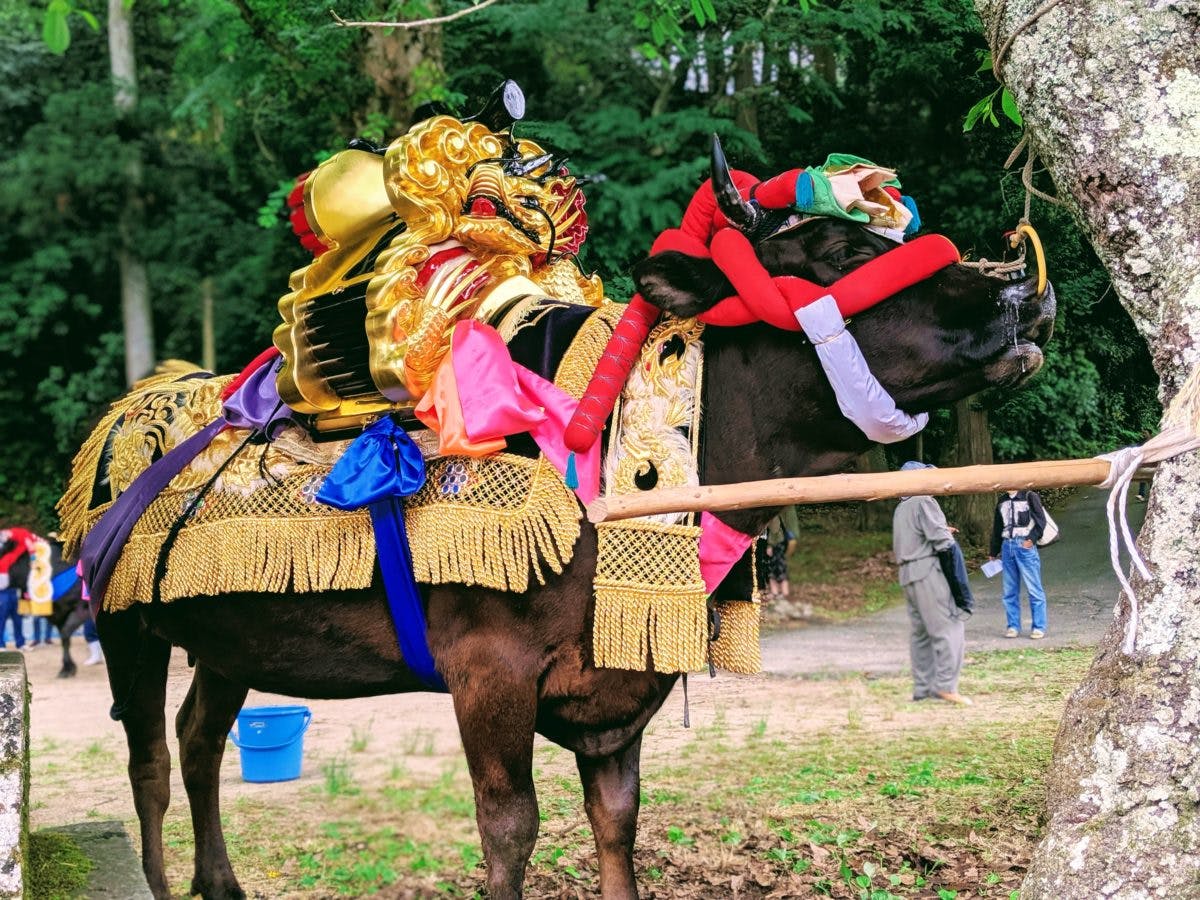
860, 396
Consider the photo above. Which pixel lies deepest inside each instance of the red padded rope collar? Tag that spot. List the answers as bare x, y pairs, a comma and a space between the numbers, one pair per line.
706, 233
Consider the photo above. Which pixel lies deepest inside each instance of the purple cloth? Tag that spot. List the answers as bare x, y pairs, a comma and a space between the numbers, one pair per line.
254, 405
103, 545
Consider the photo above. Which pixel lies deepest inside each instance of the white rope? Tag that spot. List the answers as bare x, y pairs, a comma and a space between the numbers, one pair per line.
1125, 465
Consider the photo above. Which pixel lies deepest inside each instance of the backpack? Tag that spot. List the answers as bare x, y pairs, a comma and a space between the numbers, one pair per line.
1049, 533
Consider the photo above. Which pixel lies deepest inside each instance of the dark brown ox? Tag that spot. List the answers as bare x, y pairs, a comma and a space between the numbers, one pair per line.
517, 665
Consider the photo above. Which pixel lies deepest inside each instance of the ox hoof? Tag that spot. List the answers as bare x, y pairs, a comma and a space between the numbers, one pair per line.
229, 890
67, 673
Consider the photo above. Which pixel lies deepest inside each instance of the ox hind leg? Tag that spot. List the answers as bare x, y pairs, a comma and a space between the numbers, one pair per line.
137, 675
203, 722
496, 720
69, 627
611, 796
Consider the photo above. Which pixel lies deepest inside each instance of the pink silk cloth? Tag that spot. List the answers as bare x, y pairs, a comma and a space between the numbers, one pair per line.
720, 547
502, 398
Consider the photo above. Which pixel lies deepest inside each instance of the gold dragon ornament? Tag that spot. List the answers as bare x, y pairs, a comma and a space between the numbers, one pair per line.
453, 221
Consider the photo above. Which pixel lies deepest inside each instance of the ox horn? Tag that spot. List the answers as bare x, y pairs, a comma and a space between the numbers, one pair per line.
742, 215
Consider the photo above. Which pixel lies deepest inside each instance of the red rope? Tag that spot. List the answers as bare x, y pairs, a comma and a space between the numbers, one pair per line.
705, 232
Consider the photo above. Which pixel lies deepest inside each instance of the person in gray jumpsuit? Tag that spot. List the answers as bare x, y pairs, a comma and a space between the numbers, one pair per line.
919, 535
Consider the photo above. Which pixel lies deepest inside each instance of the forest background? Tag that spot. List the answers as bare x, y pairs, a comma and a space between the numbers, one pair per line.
238, 97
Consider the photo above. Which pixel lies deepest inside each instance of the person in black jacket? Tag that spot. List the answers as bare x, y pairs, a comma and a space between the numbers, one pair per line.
1016, 528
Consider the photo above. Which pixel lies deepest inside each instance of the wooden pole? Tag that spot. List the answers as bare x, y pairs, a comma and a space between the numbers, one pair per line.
871, 486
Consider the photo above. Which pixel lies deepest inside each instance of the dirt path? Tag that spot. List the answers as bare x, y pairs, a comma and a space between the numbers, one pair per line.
1080, 588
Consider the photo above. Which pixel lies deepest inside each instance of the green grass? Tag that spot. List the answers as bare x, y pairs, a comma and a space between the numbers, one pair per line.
58, 869
823, 556
828, 571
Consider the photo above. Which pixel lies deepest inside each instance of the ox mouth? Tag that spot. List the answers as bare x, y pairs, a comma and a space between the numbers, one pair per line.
1018, 364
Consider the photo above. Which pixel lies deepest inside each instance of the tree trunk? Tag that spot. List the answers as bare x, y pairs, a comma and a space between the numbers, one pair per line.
745, 87
406, 65
208, 340
972, 513
137, 320
1110, 93
874, 515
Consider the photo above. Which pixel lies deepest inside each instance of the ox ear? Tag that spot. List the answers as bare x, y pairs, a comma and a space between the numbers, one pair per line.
682, 285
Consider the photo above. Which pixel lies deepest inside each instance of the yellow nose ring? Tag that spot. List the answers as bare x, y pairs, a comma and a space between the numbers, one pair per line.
1015, 239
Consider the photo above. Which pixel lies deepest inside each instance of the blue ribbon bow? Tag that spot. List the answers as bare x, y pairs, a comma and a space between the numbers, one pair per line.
382, 466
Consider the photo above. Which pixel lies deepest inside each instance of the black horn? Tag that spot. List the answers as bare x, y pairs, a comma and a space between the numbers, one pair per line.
742, 215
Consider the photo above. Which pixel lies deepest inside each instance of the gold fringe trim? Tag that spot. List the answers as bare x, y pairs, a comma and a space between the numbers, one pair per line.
738, 649
300, 555
509, 517
74, 507
651, 604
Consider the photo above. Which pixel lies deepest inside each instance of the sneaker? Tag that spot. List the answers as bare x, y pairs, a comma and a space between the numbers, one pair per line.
1012, 632
1037, 634
95, 654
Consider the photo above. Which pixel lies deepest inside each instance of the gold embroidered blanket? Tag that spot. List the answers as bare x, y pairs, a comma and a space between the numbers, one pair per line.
495, 522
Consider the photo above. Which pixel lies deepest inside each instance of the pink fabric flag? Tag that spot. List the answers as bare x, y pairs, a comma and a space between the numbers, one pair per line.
500, 398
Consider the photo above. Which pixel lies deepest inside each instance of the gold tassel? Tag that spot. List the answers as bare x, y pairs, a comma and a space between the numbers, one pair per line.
303, 555
738, 650
651, 604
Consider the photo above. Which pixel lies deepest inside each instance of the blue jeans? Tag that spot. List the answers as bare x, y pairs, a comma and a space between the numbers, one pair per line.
1025, 565
8, 610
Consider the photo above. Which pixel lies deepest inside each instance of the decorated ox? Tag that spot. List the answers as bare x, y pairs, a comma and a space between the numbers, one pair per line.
520, 664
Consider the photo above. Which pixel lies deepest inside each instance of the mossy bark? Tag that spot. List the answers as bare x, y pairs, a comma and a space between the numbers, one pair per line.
14, 776
1110, 92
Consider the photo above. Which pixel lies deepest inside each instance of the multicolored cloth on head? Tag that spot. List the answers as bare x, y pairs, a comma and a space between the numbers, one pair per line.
850, 187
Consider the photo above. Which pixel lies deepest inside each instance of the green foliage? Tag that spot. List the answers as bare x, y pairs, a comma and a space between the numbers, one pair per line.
56, 26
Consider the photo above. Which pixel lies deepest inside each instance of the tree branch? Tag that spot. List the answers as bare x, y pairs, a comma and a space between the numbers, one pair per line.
415, 23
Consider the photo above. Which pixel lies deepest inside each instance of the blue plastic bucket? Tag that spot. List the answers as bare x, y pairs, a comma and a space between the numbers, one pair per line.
271, 741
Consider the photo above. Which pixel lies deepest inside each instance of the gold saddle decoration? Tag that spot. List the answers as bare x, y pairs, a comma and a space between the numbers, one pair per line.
498, 522
363, 333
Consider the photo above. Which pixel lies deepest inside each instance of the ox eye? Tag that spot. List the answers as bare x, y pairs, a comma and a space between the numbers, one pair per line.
840, 254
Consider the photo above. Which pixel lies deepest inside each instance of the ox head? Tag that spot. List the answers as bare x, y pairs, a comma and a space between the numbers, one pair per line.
940, 340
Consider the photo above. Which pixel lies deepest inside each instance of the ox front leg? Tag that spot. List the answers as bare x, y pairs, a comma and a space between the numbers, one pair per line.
496, 714
611, 795
203, 722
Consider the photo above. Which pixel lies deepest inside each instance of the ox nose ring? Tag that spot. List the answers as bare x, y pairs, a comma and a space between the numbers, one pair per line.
1023, 232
